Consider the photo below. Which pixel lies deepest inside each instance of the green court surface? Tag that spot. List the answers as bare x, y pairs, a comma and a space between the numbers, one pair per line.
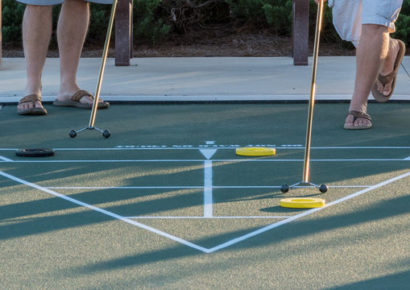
166, 203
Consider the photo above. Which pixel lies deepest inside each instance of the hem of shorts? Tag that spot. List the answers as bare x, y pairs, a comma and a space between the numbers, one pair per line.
382, 22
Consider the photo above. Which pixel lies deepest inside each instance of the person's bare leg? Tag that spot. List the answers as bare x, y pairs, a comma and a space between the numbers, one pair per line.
37, 26
388, 66
71, 32
371, 52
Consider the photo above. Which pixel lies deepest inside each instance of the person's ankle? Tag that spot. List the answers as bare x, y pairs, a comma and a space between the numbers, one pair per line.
29, 90
358, 107
66, 92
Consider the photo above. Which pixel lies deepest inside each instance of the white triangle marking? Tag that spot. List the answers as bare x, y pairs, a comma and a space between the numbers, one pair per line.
208, 153
195, 246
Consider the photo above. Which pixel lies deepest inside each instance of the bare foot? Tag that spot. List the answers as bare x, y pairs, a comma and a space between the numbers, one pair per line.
388, 68
31, 105
65, 96
357, 120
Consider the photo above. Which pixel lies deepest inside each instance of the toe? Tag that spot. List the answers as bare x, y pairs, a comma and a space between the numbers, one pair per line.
359, 122
86, 100
384, 89
349, 120
38, 104
362, 122
89, 100
25, 106
387, 89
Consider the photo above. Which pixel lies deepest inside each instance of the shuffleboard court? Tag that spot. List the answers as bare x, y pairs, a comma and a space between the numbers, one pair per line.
166, 203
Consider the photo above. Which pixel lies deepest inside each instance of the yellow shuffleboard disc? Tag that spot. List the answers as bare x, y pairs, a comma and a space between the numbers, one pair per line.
302, 202
255, 151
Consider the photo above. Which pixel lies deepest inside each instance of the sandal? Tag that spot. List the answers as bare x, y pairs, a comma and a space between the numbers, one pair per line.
390, 78
74, 101
356, 115
33, 111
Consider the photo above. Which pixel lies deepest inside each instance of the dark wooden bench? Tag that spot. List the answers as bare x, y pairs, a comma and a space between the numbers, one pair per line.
123, 32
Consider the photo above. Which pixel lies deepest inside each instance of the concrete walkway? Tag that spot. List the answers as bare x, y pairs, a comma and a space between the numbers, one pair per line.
200, 79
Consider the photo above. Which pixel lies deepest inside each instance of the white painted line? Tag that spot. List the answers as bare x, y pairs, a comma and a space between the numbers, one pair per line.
216, 160
192, 187
359, 160
222, 147
208, 181
6, 159
214, 98
125, 187
354, 147
227, 97
303, 214
202, 217
110, 161
349, 186
105, 212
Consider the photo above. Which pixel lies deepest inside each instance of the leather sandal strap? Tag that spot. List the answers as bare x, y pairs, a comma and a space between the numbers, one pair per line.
387, 78
358, 114
79, 94
30, 99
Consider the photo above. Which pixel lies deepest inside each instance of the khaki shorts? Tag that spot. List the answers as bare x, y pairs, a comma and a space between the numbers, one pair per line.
349, 15
55, 2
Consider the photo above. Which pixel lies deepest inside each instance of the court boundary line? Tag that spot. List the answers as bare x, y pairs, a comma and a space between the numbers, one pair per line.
190, 244
193, 187
219, 147
5, 159
238, 160
208, 218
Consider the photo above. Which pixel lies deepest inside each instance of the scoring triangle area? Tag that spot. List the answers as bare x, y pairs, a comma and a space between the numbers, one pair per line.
207, 232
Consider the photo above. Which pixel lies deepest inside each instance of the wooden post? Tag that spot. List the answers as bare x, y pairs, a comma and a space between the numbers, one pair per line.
123, 33
300, 32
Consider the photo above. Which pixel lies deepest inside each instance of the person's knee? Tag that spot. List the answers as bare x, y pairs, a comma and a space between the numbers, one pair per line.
39, 9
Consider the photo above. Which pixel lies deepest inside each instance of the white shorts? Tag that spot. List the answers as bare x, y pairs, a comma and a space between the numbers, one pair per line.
349, 15
55, 2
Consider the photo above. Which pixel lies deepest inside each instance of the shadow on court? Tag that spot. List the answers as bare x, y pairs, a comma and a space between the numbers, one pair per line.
301, 230
360, 243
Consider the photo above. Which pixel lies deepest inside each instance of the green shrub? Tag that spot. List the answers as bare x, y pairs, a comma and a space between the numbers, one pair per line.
155, 20
248, 12
11, 18
97, 30
403, 23
278, 16
148, 21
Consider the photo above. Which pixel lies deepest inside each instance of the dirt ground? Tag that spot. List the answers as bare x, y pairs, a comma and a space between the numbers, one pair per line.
240, 44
